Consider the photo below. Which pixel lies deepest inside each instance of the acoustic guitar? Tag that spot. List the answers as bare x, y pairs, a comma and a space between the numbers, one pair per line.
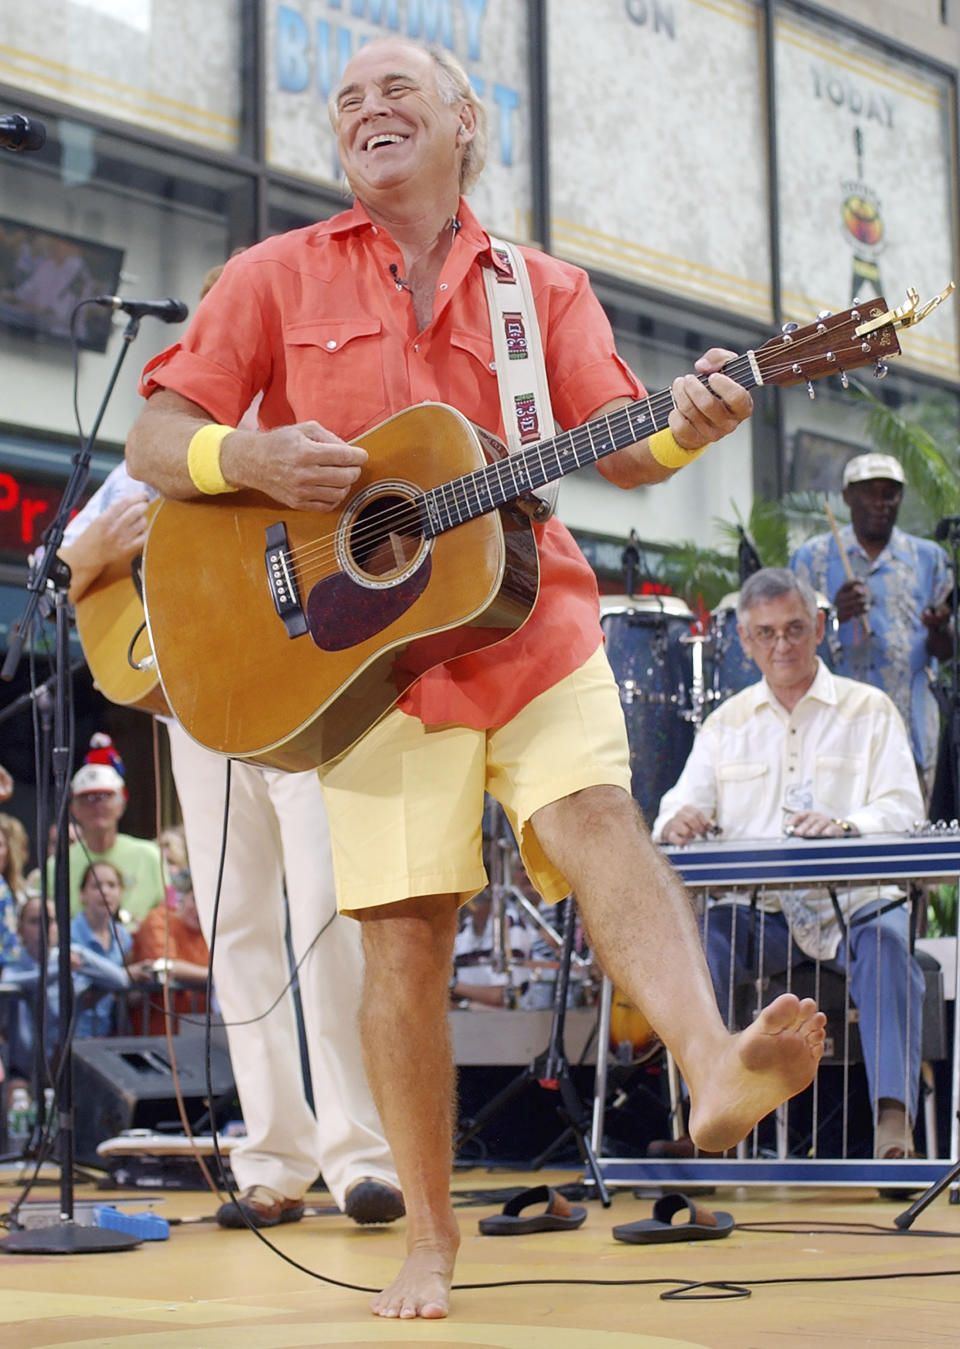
282, 636
111, 624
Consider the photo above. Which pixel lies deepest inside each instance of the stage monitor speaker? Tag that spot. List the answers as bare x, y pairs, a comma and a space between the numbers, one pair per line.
127, 1082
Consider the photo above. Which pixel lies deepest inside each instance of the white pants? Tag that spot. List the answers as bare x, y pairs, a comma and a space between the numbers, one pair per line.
278, 829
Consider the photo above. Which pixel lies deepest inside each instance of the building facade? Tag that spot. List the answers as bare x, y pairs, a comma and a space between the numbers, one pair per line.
721, 167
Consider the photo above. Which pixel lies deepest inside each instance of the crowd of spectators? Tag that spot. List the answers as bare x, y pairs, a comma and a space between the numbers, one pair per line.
137, 955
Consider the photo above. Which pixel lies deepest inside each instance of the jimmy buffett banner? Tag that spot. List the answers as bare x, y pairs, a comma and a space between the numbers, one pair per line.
309, 42
658, 162
866, 180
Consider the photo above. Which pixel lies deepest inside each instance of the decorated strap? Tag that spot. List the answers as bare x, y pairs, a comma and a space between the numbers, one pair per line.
521, 371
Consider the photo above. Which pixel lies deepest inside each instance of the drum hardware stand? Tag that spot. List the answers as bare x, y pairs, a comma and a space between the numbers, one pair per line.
629, 558
502, 888
501, 957
551, 1070
698, 690
549, 931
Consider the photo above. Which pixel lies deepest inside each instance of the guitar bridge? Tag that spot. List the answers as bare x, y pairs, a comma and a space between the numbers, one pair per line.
282, 581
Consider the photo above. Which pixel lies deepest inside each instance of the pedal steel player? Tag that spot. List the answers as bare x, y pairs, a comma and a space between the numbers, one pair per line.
808, 753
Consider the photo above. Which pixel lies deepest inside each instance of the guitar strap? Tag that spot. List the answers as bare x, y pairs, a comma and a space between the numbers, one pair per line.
521, 371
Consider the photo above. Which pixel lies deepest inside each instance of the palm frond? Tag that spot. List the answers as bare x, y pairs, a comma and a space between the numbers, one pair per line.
934, 479
702, 576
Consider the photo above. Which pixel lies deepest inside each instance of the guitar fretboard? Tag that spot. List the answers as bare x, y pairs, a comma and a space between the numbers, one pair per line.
485, 489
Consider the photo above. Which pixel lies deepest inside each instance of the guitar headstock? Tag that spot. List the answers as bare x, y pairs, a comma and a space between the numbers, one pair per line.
863, 335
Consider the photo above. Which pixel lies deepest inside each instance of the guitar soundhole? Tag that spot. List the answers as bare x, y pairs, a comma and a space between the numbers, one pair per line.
385, 539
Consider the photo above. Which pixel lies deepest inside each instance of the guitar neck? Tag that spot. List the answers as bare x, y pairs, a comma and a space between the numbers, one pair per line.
454, 503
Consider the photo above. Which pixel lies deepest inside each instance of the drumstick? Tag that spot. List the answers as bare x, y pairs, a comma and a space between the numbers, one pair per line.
843, 557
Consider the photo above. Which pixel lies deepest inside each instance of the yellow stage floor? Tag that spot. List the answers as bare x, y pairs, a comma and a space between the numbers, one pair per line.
205, 1288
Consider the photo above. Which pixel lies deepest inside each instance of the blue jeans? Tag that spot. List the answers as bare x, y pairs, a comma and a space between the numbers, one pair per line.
886, 982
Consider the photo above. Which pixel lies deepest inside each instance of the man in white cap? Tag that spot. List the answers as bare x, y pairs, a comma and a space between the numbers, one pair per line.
892, 614
98, 798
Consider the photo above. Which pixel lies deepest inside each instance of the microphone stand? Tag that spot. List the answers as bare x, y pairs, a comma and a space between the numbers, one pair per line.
40, 695
65, 1237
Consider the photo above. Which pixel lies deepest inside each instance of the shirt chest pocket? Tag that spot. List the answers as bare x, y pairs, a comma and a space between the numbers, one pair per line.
743, 789
335, 373
839, 783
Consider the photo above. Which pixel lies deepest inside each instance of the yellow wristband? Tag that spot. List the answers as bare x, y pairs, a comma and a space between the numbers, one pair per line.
667, 452
203, 459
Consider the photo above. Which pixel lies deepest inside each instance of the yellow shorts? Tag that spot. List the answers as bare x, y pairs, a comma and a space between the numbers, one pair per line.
406, 803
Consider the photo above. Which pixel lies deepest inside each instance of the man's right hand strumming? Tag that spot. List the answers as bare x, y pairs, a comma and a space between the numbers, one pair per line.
303, 466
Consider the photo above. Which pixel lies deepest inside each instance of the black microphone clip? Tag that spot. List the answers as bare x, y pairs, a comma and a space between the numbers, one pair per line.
399, 281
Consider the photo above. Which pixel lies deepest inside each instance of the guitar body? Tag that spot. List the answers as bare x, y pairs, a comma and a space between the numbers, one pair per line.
109, 616
369, 604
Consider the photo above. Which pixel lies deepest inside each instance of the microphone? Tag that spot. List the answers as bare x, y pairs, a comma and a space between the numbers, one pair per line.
170, 311
946, 526
20, 133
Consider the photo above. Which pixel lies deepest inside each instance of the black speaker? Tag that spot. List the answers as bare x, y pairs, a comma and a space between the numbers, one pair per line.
127, 1082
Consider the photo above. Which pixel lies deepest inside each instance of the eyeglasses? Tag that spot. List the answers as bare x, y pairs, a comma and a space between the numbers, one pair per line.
93, 798
793, 634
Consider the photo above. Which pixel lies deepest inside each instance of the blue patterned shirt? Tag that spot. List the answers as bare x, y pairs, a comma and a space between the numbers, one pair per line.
908, 576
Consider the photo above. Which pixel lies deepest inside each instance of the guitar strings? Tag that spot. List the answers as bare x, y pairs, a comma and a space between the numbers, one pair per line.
406, 512
310, 558
314, 558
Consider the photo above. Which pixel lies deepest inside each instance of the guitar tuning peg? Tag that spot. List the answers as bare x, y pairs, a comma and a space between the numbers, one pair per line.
825, 314
856, 301
789, 328
880, 369
810, 390
843, 379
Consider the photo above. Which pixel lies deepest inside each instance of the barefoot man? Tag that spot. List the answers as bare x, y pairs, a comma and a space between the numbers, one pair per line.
341, 325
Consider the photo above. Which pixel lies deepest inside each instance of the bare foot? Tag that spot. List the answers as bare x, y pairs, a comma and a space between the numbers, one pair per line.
422, 1288
764, 1065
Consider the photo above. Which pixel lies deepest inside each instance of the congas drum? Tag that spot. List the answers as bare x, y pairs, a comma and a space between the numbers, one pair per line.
649, 647
728, 668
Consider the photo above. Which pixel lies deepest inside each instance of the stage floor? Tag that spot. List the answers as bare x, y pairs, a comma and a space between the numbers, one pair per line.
209, 1289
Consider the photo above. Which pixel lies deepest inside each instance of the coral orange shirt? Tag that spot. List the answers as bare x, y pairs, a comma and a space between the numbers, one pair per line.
315, 320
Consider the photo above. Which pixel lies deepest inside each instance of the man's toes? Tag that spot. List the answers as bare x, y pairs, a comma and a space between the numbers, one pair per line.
783, 1012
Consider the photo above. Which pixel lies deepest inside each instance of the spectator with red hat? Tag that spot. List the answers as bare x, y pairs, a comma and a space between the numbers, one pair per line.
98, 798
